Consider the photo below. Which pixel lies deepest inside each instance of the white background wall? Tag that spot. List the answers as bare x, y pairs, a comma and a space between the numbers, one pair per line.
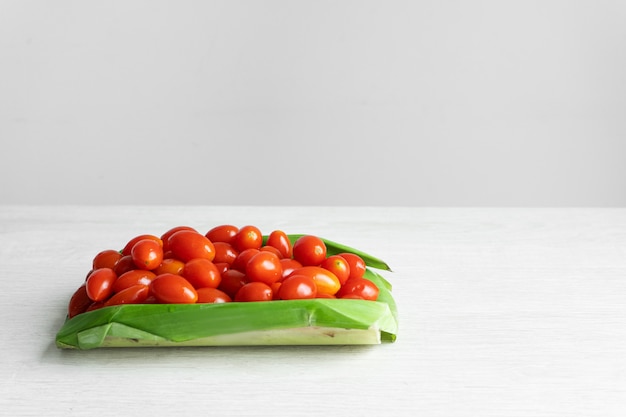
313, 102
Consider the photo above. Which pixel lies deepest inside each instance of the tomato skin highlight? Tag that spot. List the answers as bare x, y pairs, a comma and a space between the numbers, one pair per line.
309, 250
325, 281
222, 233
173, 289
135, 294
187, 245
297, 287
212, 295
357, 264
254, 291
99, 284
147, 254
359, 287
264, 267
202, 273
279, 240
339, 266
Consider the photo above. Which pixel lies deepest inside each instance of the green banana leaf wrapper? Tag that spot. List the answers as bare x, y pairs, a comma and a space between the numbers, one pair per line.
283, 322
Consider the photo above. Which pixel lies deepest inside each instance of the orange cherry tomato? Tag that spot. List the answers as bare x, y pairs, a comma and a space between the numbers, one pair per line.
296, 287
356, 263
248, 237
279, 240
136, 294
326, 281
222, 233
187, 245
99, 284
339, 266
132, 278
212, 295
254, 291
147, 254
106, 259
264, 267
202, 273
173, 289
309, 250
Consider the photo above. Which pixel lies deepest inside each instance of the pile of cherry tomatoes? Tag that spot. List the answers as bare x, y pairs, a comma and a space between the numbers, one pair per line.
225, 264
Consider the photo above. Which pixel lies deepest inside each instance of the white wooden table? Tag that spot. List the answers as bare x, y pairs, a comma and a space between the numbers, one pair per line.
503, 312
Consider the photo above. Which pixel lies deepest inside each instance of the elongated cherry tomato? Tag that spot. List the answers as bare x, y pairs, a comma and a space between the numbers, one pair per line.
357, 264
99, 284
297, 287
279, 240
222, 233
147, 254
202, 273
136, 294
325, 281
132, 278
242, 259
212, 295
131, 243
254, 291
79, 302
173, 289
268, 248
248, 237
289, 265
170, 265
166, 236
106, 259
232, 281
264, 267
359, 287
339, 266
187, 245
124, 264
309, 250
224, 252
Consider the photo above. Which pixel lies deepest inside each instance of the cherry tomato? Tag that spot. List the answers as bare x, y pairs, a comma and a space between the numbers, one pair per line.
202, 273
254, 291
187, 245
326, 281
272, 249
222, 267
359, 287
248, 237
339, 266
170, 265
297, 287
222, 233
357, 264
79, 302
224, 252
131, 243
232, 281
212, 295
132, 278
106, 259
147, 254
99, 284
289, 265
173, 289
279, 240
124, 264
242, 259
264, 267
166, 236
136, 294
309, 250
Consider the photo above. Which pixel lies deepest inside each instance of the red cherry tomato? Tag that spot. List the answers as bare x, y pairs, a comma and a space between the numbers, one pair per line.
359, 287
173, 289
132, 278
279, 240
202, 273
131, 243
212, 295
339, 266
222, 267
187, 245
326, 281
222, 233
106, 259
171, 266
224, 252
242, 259
254, 291
147, 254
272, 249
309, 250
264, 267
357, 264
297, 287
248, 237
232, 281
125, 264
79, 302
289, 265
166, 236
99, 284
136, 294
